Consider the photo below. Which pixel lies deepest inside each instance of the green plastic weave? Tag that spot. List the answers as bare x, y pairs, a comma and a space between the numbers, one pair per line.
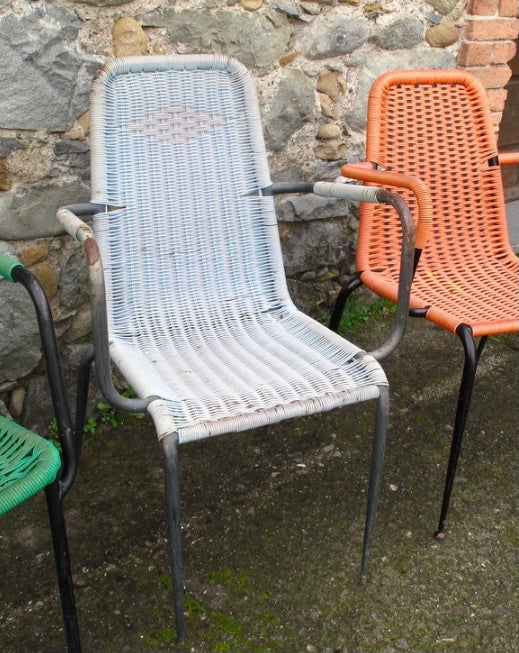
28, 463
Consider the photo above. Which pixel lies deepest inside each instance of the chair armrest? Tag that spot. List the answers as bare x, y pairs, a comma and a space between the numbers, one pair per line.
382, 196
70, 443
365, 172
83, 233
508, 158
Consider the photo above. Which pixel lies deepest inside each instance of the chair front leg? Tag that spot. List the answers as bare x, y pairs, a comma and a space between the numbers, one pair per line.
172, 486
64, 573
375, 477
465, 395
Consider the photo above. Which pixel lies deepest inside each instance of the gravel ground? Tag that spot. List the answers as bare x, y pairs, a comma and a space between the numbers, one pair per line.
273, 526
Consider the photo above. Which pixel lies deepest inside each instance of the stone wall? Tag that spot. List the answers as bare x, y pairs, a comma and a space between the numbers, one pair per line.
313, 62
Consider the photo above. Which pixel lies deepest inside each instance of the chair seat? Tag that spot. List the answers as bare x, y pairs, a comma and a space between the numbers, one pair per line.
481, 292
28, 463
232, 376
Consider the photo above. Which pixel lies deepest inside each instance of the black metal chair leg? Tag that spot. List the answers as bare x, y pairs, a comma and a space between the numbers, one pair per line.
341, 300
465, 394
172, 484
64, 573
83, 384
375, 478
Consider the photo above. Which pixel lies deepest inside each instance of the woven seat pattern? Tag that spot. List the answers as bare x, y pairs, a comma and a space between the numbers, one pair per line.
193, 267
28, 463
440, 130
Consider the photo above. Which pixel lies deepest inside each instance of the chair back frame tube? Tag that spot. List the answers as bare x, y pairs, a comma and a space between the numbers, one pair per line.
70, 446
84, 234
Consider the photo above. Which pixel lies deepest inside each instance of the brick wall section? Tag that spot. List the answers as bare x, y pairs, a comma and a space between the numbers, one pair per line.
489, 42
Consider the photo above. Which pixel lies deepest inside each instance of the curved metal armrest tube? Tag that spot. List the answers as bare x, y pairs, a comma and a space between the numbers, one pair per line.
382, 196
508, 158
366, 173
407, 266
353, 192
84, 234
288, 187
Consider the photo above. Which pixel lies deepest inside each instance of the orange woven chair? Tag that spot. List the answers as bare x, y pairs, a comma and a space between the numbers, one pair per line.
430, 134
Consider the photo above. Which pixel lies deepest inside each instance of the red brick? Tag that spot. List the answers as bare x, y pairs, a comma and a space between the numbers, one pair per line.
503, 51
496, 98
483, 7
496, 119
509, 8
476, 53
491, 29
492, 76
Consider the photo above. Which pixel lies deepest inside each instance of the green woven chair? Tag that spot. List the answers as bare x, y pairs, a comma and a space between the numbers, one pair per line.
30, 463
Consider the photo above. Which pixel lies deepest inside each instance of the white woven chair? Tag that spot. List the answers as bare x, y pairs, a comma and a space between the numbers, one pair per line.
191, 303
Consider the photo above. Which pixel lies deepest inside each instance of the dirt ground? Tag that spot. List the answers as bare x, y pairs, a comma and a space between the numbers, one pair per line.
273, 524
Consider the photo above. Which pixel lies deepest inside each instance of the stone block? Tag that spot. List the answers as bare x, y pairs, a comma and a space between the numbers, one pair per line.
335, 34
255, 39
405, 31
292, 105
128, 38
47, 75
29, 212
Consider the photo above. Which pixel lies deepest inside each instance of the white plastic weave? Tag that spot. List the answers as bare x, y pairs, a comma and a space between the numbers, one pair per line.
198, 308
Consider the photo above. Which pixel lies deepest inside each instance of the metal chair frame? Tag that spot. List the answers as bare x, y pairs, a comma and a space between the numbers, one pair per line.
56, 491
170, 69
437, 197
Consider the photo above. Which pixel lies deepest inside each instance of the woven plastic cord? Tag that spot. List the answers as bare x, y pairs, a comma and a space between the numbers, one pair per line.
28, 463
199, 312
437, 126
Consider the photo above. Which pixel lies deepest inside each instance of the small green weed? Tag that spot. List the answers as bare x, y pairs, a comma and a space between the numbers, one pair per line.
53, 433
165, 580
192, 605
359, 310
113, 417
104, 414
53, 427
165, 636
234, 581
90, 425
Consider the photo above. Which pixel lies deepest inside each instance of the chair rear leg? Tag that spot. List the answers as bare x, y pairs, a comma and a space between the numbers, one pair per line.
172, 485
83, 384
341, 300
62, 559
465, 394
375, 478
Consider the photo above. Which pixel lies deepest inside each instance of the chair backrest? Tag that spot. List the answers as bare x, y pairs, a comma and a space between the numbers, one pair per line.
436, 124
179, 161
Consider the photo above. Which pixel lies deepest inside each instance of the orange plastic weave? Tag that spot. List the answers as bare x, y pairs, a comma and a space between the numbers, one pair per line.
436, 125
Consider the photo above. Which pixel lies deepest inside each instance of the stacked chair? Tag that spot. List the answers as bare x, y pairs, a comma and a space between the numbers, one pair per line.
30, 463
188, 292
430, 136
